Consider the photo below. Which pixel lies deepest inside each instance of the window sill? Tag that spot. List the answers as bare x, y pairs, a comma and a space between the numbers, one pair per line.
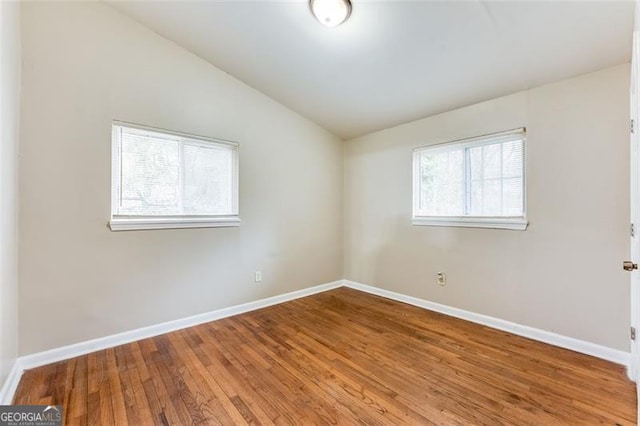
517, 224
134, 224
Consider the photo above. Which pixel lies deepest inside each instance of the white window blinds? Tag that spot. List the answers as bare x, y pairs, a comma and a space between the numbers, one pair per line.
171, 175
480, 177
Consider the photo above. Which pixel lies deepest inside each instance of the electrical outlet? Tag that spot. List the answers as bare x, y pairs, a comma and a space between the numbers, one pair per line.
442, 278
258, 276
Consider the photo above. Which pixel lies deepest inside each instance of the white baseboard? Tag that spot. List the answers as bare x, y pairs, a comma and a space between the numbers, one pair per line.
11, 384
82, 348
58, 354
593, 349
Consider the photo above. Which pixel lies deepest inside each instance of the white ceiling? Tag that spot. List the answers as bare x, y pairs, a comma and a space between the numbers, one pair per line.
394, 61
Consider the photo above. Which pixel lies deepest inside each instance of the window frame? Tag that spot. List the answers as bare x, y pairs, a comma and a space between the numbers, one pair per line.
495, 222
120, 222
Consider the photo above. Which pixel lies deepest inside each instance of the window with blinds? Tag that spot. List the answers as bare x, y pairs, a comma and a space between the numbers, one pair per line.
165, 179
474, 182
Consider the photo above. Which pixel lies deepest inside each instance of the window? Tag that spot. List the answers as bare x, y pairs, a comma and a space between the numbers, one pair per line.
164, 179
477, 182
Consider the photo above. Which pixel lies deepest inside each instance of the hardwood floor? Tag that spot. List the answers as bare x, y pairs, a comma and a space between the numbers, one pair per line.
339, 357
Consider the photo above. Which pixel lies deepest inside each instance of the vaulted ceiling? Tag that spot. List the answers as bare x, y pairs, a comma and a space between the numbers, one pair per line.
394, 61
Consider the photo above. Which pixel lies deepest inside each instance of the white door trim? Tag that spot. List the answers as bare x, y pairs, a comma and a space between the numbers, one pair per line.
634, 155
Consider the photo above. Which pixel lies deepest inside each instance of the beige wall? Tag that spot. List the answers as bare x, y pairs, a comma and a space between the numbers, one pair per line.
9, 123
563, 274
86, 64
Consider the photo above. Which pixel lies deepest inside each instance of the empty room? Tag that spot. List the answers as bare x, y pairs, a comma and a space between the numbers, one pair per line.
319, 212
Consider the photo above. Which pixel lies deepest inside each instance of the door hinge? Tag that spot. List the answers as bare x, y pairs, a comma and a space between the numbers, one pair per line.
633, 230
633, 127
633, 333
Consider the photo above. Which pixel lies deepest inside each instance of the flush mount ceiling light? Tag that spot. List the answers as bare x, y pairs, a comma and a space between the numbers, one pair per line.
331, 12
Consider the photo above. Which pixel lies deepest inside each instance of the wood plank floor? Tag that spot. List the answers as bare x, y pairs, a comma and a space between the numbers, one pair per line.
339, 357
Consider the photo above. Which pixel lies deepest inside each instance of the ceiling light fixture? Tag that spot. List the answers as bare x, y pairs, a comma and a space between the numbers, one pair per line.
330, 12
